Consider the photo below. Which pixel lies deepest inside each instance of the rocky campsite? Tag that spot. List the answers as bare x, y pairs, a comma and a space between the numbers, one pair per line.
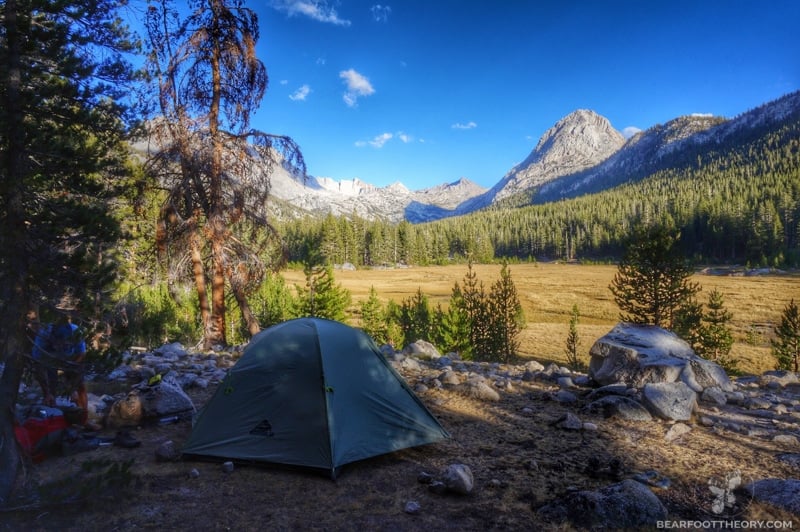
332, 265
650, 434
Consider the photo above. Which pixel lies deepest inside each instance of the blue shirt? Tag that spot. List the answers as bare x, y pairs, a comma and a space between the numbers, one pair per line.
61, 341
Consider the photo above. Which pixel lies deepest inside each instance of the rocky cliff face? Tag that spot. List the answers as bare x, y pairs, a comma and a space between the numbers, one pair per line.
578, 141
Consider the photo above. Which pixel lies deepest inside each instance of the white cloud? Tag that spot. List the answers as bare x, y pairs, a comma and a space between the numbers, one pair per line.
380, 140
318, 10
468, 125
300, 94
630, 131
321, 61
377, 142
357, 86
380, 13
284, 82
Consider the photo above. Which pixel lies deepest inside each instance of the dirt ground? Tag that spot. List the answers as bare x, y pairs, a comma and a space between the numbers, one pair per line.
519, 459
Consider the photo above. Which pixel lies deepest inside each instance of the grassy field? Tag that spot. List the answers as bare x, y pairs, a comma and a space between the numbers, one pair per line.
549, 290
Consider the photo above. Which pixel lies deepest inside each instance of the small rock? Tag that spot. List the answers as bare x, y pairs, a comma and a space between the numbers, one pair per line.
458, 478
676, 431
714, 395
194, 473
787, 440
565, 397
227, 467
757, 403
565, 382
706, 421
589, 426
167, 452
424, 478
569, 421
533, 366
412, 507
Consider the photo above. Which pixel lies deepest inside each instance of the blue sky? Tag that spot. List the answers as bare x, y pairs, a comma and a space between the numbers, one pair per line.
426, 92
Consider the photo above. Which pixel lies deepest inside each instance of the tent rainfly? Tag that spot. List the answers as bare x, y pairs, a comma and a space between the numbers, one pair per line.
313, 393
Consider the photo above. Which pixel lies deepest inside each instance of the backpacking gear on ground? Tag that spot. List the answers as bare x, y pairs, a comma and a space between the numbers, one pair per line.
313, 393
41, 425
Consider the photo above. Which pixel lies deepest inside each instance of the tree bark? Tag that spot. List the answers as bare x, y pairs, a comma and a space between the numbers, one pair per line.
15, 292
250, 319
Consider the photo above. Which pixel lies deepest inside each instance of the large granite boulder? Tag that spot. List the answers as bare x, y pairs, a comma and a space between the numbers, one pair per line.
640, 354
625, 505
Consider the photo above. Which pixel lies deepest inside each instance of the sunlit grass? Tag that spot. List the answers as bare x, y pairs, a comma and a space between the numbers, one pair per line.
548, 291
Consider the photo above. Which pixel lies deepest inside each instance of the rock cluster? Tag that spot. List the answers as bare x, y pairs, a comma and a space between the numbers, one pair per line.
622, 382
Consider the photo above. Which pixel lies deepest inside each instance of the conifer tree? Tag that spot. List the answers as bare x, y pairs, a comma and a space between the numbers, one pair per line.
652, 281
274, 302
475, 306
717, 337
394, 333
215, 166
64, 83
322, 297
688, 323
452, 327
573, 341
416, 319
506, 316
373, 317
786, 344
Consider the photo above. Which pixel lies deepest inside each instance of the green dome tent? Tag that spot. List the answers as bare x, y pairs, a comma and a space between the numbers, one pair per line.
314, 393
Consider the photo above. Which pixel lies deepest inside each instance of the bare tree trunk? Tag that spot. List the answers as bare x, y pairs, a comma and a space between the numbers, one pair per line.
14, 294
253, 327
10, 457
199, 274
215, 331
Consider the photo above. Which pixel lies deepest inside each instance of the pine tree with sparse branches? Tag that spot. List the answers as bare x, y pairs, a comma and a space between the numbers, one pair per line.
716, 335
474, 302
573, 341
506, 317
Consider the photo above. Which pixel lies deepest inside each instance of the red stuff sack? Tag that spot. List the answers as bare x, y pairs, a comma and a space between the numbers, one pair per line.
30, 433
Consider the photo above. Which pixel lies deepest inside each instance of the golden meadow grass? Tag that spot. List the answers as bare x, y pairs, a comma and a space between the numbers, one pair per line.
549, 290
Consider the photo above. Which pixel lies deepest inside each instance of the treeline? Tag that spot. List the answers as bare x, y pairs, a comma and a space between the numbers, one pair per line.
737, 205
478, 323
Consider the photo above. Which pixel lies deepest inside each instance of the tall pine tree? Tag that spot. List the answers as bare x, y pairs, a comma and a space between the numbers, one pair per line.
507, 318
63, 83
652, 280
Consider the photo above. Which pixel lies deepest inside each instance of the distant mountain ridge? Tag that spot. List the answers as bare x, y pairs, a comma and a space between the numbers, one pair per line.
582, 153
